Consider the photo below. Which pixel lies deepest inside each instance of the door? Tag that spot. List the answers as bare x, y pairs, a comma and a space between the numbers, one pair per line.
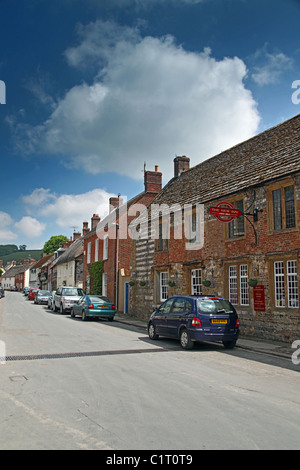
161, 315
177, 316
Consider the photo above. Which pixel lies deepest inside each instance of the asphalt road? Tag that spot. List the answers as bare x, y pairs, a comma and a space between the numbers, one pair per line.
69, 384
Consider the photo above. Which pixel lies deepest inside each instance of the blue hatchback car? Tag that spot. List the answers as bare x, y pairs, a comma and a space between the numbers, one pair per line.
93, 306
195, 318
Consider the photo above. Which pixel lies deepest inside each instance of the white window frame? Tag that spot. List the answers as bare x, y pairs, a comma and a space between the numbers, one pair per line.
163, 285
279, 284
233, 290
105, 247
97, 249
244, 287
196, 281
89, 250
292, 283
104, 284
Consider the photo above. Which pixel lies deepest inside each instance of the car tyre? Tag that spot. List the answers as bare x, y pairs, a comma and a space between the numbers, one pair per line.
61, 309
185, 339
229, 344
84, 317
72, 313
152, 332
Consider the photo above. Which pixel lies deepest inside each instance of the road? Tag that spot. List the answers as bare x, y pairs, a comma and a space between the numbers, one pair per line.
69, 384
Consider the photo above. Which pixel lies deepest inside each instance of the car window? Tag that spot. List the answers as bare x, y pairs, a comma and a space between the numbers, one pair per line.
166, 306
99, 300
215, 306
72, 291
179, 305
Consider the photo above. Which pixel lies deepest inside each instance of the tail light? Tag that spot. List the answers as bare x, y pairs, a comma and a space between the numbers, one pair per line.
113, 307
237, 323
196, 321
91, 306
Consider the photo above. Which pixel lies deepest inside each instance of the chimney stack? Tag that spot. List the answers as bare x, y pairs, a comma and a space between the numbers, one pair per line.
115, 202
152, 181
85, 228
94, 221
76, 235
181, 164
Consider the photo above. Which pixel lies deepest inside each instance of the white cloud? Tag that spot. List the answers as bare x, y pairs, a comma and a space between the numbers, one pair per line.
269, 66
150, 100
69, 210
6, 234
30, 227
38, 197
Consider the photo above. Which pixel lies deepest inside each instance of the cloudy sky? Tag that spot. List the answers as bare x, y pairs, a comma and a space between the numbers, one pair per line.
90, 90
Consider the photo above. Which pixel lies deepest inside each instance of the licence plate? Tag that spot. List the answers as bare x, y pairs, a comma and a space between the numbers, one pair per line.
102, 306
219, 321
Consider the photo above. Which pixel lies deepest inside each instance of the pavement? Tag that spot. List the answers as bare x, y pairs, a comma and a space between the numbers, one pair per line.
274, 348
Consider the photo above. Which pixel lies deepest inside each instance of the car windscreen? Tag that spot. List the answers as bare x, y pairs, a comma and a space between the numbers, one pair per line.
215, 306
72, 291
44, 292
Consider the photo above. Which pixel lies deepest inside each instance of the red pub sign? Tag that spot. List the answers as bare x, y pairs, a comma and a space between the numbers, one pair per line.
259, 298
228, 211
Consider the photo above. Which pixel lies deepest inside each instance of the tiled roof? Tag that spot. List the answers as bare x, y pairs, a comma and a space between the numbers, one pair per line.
272, 154
72, 252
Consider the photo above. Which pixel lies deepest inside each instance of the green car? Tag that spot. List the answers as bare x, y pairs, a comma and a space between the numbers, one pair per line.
93, 306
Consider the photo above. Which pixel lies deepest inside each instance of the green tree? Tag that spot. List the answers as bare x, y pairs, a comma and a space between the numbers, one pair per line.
54, 243
96, 271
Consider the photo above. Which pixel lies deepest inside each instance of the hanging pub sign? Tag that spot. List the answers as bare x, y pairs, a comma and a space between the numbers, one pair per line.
225, 212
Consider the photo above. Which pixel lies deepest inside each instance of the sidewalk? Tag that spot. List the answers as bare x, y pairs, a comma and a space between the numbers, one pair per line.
275, 348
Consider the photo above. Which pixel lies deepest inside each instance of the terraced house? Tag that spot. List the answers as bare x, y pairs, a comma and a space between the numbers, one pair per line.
114, 251
254, 260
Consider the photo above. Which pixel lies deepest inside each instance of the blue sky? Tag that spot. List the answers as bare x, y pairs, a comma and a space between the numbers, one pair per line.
95, 88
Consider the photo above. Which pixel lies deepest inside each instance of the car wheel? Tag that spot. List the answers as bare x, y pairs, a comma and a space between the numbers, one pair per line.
61, 309
110, 318
185, 339
229, 344
152, 332
84, 317
72, 313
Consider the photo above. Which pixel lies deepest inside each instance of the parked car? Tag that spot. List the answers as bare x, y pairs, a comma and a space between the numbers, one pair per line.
93, 306
32, 292
65, 297
2, 294
51, 300
41, 297
195, 318
26, 290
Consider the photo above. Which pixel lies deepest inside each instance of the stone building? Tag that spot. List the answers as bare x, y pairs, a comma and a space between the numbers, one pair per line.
254, 260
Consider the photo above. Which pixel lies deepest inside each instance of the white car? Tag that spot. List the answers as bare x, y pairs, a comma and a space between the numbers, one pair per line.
65, 297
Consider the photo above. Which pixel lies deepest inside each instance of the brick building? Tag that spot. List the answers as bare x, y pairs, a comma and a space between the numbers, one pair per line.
254, 260
114, 251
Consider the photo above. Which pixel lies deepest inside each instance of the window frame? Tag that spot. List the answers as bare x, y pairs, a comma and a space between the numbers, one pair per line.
238, 287
278, 217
